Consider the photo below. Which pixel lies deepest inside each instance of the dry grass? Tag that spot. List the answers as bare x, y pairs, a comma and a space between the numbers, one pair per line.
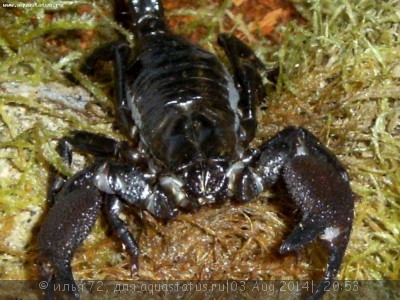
340, 78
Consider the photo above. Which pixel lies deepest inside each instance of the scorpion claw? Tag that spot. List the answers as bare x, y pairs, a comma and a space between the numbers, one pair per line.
73, 214
320, 188
304, 233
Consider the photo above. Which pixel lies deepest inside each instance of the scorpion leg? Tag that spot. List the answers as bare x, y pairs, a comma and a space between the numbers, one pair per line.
319, 185
117, 52
112, 210
101, 147
245, 66
56, 180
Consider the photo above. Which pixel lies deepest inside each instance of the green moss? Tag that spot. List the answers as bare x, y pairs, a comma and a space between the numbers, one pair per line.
339, 78
349, 63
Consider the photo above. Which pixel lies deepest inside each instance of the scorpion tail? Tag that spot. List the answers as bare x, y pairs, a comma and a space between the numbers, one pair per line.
145, 17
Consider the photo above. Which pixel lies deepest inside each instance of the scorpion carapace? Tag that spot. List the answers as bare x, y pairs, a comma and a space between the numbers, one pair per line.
188, 124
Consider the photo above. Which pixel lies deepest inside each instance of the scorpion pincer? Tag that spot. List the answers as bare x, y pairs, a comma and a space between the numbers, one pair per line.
188, 124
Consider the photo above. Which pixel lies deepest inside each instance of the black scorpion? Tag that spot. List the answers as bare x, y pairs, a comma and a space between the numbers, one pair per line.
189, 124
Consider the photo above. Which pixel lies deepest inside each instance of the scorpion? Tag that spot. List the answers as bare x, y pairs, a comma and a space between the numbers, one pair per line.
188, 124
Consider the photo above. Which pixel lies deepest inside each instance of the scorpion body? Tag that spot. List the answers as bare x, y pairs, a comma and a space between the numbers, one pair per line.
189, 124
